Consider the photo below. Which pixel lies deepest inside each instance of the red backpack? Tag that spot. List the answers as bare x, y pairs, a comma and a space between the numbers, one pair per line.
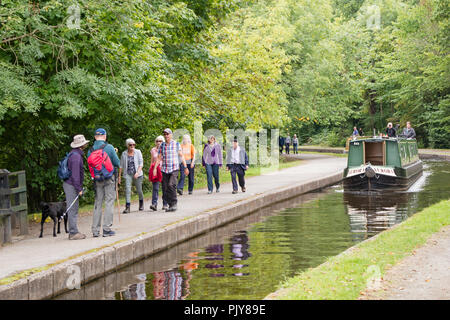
100, 165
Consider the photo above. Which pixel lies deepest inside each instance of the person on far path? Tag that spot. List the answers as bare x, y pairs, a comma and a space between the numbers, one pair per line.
73, 186
131, 164
409, 132
355, 132
281, 141
237, 163
168, 156
104, 190
212, 161
295, 144
390, 131
189, 155
361, 132
157, 178
287, 142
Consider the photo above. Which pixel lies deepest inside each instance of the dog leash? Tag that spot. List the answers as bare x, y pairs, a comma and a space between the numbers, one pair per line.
73, 202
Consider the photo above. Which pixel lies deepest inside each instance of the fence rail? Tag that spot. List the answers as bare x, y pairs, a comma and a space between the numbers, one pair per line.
13, 213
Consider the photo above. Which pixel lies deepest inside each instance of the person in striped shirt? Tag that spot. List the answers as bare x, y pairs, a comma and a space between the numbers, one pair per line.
169, 154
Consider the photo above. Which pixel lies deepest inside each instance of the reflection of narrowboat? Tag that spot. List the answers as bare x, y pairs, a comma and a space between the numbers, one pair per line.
382, 163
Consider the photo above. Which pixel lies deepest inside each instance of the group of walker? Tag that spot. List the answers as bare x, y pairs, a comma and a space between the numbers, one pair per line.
285, 142
171, 163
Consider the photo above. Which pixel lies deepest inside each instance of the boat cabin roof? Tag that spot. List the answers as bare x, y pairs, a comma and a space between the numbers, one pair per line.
382, 151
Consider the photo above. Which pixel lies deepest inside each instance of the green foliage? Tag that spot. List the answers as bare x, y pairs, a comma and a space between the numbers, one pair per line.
366, 77
414, 77
117, 70
348, 8
242, 87
331, 138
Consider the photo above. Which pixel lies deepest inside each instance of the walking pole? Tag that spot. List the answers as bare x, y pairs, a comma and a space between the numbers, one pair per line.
116, 174
117, 197
67, 210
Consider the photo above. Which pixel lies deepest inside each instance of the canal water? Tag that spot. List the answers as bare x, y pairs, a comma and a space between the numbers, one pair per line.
248, 258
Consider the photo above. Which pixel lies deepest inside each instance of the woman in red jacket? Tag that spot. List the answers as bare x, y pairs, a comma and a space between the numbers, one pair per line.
155, 179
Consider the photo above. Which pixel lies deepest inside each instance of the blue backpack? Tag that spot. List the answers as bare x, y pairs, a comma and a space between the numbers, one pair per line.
63, 170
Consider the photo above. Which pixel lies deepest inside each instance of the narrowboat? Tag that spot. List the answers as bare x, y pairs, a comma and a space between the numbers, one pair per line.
381, 163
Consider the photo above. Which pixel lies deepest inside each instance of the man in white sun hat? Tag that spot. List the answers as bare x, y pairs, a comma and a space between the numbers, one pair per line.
73, 186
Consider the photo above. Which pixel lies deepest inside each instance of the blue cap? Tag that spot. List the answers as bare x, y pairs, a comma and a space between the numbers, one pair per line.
100, 132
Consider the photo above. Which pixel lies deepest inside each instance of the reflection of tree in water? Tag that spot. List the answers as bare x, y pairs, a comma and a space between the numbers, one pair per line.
372, 213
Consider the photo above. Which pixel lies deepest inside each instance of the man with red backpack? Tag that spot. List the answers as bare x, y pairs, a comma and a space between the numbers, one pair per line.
103, 160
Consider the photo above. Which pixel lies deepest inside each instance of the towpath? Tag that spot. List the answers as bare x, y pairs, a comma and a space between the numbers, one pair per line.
33, 252
425, 275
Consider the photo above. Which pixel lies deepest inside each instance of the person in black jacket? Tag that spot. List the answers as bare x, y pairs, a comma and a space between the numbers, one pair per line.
390, 131
281, 141
237, 163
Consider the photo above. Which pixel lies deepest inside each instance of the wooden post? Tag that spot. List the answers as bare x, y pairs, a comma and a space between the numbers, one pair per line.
19, 208
22, 214
5, 208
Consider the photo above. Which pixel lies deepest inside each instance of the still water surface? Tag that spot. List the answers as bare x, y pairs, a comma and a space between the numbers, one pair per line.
247, 259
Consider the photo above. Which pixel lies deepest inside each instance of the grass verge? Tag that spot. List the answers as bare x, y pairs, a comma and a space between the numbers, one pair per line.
345, 276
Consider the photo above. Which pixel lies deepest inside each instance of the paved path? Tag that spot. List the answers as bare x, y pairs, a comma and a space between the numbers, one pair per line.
33, 252
425, 275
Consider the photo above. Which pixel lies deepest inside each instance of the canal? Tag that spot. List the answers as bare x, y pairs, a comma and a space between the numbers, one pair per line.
248, 258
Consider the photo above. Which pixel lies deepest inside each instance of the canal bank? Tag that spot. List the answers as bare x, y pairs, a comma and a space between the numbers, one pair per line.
41, 268
359, 271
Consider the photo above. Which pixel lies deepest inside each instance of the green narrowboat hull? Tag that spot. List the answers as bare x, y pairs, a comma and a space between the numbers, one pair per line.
382, 164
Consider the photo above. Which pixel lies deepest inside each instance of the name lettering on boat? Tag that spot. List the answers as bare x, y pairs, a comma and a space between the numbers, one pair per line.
379, 170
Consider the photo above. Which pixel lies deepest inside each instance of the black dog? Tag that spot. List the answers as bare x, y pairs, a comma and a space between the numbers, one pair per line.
54, 210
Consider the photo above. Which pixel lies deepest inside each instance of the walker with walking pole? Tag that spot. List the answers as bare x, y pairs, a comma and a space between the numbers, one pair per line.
73, 202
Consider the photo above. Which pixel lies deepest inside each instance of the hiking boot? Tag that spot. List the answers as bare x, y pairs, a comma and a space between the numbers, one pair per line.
108, 233
77, 236
209, 192
141, 205
234, 192
190, 192
127, 209
152, 207
165, 207
243, 189
171, 209
180, 192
